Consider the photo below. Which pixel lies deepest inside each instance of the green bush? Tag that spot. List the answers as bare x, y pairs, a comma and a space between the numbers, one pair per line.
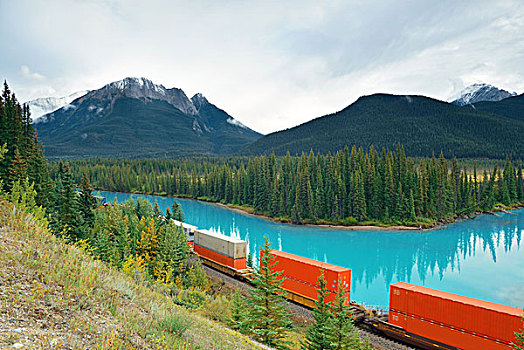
191, 298
175, 323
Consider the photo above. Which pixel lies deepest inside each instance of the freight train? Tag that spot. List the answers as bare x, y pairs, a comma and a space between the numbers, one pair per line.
420, 316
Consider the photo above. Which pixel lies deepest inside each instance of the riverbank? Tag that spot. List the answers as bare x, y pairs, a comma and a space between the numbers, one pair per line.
367, 226
246, 210
334, 226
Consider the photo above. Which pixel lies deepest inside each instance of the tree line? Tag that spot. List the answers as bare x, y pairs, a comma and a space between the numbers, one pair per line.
24, 158
348, 187
132, 236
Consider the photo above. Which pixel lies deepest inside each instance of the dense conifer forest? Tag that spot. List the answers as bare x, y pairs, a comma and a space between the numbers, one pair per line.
348, 187
422, 125
23, 158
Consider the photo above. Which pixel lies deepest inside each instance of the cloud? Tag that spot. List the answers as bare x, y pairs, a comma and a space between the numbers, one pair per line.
26, 72
271, 64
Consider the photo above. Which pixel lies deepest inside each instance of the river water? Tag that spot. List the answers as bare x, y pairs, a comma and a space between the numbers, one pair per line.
481, 258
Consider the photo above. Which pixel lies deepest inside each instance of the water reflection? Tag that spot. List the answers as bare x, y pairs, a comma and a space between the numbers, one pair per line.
467, 257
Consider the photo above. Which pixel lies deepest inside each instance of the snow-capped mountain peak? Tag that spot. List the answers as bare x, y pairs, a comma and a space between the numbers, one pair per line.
45, 105
481, 92
199, 100
143, 84
145, 88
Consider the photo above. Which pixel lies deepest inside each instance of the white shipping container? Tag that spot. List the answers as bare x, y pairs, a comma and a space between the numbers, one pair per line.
219, 243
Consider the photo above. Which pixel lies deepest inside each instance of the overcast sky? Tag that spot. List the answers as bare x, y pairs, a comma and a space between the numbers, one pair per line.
270, 64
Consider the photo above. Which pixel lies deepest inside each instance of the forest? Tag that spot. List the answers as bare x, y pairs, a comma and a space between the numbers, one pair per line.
146, 245
349, 187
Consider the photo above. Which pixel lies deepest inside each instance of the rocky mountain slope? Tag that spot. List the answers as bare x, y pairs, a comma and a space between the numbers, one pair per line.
481, 92
134, 117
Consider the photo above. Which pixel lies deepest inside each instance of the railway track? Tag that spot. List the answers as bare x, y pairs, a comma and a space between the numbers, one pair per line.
378, 341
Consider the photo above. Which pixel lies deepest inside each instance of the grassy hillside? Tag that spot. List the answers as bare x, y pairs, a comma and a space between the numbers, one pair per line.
422, 125
56, 295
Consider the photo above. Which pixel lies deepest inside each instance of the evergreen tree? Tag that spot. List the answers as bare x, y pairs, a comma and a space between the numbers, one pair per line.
65, 215
173, 252
239, 319
343, 335
24, 157
18, 170
176, 212
519, 345
318, 334
86, 205
268, 319
249, 262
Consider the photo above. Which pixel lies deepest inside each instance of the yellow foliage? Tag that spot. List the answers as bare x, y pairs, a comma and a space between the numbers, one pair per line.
147, 245
84, 246
164, 275
134, 265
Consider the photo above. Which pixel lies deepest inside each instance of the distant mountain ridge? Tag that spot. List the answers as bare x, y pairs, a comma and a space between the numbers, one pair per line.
134, 117
511, 107
45, 105
422, 125
481, 92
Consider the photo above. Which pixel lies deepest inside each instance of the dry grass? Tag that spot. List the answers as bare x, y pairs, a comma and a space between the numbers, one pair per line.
54, 295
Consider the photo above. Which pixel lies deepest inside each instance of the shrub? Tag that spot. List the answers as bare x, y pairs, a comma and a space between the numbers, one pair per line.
176, 324
217, 309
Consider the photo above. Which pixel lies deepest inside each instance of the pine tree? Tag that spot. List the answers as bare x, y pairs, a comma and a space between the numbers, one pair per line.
3, 151
18, 170
343, 335
519, 345
86, 205
318, 335
239, 319
249, 262
176, 212
268, 319
359, 199
65, 215
173, 252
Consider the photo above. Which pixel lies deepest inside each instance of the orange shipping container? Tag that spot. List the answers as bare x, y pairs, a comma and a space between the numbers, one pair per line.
238, 264
300, 275
452, 319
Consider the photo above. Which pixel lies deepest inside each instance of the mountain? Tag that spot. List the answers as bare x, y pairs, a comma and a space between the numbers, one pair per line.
134, 117
511, 107
44, 105
481, 92
421, 124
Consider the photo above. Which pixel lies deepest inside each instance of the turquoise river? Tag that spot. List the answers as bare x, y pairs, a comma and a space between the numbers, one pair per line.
482, 258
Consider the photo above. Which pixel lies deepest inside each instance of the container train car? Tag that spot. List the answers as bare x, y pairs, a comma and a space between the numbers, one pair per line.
420, 316
299, 277
224, 253
434, 319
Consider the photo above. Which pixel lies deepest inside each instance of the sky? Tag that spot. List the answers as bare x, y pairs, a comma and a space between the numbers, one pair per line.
270, 64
